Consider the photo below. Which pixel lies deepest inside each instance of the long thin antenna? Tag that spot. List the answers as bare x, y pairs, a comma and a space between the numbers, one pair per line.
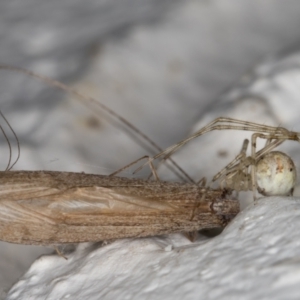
8, 168
91, 103
9, 147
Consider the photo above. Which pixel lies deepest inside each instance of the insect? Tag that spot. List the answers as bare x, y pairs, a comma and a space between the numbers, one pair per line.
272, 172
48, 208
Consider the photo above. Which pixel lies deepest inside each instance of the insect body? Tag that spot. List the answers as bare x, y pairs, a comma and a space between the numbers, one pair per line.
46, 208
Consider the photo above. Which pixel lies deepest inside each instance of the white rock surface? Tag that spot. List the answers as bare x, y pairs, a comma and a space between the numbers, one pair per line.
255, 257
165, 75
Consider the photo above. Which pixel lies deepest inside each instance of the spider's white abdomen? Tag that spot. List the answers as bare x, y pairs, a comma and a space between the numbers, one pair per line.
276, 174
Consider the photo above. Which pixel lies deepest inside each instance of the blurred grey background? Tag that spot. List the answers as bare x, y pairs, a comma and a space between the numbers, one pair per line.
164, 65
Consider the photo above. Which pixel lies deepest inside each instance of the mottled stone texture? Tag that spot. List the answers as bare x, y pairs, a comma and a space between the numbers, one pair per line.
167, 66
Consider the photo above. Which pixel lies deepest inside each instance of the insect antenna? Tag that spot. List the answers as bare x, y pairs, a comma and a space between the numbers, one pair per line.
92, 103
9, 166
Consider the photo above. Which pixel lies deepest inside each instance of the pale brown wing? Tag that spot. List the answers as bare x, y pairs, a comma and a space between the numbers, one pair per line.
37, 215
42, 204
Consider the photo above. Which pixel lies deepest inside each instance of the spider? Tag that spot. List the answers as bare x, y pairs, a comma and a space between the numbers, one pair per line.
271, 172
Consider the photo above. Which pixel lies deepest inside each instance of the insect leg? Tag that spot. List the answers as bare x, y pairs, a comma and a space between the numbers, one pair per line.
59, 253
239, 158
202, 182
154, 173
